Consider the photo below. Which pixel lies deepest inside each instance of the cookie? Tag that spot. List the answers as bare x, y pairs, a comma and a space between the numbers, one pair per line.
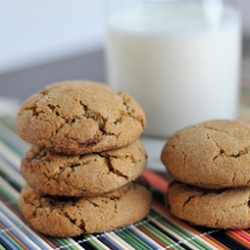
71, 216
213, 154
83, 175
80, 117
216, 208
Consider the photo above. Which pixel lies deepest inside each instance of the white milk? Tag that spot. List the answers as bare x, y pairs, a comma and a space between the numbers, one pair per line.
180, 62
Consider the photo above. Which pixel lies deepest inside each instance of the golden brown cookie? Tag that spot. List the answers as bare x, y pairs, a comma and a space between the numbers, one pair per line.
83, 175
213, 154
215, 208
71, 216
80, 117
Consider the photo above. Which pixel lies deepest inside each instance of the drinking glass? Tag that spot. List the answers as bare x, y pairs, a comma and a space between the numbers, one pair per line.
179, 59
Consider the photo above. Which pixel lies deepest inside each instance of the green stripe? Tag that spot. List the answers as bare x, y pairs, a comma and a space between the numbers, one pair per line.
93, 243
8, 176
161, 236
7, 236
65, 243
1, 247
7, 196
129, 238
184, 235
11, 146
69, 244
9, 121
12, 139
190, 238
137, 239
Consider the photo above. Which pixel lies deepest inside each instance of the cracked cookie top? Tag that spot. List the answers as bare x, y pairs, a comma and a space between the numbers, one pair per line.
83, 175
78, 117
71, 216
216, 208
213, 154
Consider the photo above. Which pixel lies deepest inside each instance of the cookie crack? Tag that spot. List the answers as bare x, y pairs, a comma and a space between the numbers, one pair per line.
79, 223
185, 203
143, 153
222, 152
234, 177
131, 111
87, 113
61, 169
96, 116
99, 119
64, 121
111, 168
33, 202
215, 129
94, 204
54, 109
183, 153
116, 171
115, 200
111, 134
46, 91
34, 111
202, 194
55, 176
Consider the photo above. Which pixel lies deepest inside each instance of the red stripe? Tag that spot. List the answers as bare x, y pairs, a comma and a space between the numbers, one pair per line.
156, 181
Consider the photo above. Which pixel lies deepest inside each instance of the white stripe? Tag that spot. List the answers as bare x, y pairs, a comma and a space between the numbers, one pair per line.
95, 239
177, 236
119, 241
9, 188
72, 243
20, 226
143, 235
17, 177
11, 156
9, 105
13, 138
194, 235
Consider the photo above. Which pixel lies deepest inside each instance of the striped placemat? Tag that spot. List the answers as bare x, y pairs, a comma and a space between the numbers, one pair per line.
159, 230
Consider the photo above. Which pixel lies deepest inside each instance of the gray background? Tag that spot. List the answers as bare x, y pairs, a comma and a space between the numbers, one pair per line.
91, 66
22, 83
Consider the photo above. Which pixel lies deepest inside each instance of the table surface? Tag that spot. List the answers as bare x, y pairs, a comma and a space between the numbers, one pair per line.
159, 230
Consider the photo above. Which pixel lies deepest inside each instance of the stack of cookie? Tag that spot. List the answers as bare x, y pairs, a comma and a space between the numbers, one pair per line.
83, 170
210, 164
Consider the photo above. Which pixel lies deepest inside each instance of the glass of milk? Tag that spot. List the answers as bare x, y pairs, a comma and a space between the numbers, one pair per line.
179, 59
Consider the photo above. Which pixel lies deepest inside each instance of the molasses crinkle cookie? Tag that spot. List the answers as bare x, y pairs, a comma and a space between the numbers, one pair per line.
216, 208
213, 154
83, 175
79, 117
71, 216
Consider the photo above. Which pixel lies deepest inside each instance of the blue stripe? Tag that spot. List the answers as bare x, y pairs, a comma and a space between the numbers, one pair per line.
8, 163
14, 183
7, 225
10, 136
110, 242
149, 243
7, 243
27, 233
